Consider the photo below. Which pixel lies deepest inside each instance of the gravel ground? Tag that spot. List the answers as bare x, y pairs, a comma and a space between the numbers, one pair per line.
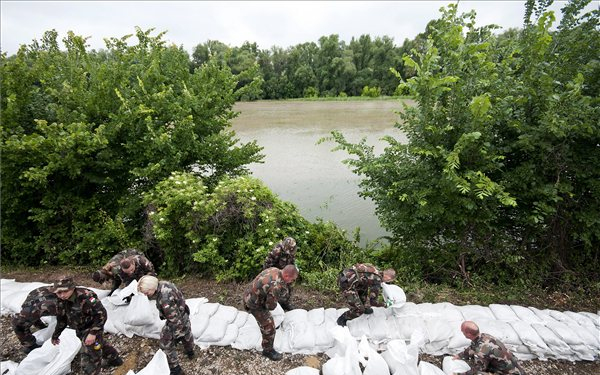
138, 351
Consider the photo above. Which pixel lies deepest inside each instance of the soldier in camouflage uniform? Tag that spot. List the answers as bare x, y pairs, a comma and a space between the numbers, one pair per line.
134, 267
486, 354
39, 302
81, 310
283, 254
172, 307
262, 295
359, 282
111, 270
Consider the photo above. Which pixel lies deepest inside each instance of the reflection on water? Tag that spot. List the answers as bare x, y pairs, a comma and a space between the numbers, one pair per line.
309, 175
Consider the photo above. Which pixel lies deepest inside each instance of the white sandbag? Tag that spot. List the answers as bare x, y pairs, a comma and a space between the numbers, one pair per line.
194, 304
359, 326
316, 316
344, 355
249, 336
207, 309
526, 315
296, 316
593, 317
504, 313
282, 342
12, 301
448, 311
531, 338
303, 370
226, 313
241, 318
458, 341
278, 315
45, 334
140, 311
558, 348
565, 333
393, 295
215, 330
341, 366
118, 295
426, 368
584, 353
231, 334
8, 367
401, 358
379, 325
544, 315
158, 365
581, 319
561, 317
376, 364
101, 293
199, 323
51, 359
476, 312
451, 366
438, 329
500, 330
589, 335
407, 325
301, 335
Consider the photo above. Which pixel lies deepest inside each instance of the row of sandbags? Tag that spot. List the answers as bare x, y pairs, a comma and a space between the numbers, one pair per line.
528, 332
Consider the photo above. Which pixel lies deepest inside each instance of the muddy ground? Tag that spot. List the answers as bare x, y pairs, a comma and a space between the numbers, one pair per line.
137, 351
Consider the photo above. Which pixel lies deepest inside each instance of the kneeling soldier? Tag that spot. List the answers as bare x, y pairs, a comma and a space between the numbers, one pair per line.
39, 302
171, 306
81, 309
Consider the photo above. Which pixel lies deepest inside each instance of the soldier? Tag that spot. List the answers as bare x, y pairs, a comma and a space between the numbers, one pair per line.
489, 355
111, 270
283, 254
39, 302
134, 267
359, 282
172, 307
81, 309
262, 295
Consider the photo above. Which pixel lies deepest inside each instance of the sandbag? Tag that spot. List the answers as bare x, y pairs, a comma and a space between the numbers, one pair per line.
376, 365
426, 368
393, 295
140, 311
158, 365
401, 358
451, 366
8, 367
504, 313
303, 370
51, 359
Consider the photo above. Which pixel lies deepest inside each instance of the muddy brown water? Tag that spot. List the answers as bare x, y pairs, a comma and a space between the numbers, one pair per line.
308, 174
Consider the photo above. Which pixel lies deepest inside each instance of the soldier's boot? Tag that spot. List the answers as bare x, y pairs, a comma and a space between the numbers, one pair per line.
287, 306
40, 324
28, 349
190, 353
272, 354
368, 310
341, 321
114, 362
177, 371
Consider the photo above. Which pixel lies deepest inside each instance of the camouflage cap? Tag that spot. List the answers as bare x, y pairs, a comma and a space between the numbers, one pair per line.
289, 243
66, 283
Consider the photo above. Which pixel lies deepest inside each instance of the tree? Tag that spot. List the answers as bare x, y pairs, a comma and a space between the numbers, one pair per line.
499, 178
86, 134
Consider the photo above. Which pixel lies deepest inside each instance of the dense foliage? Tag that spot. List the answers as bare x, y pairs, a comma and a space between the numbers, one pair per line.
499, 180
86, 134
228, 232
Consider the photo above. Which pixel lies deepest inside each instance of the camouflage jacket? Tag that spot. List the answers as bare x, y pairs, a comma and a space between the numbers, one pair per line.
170, 303
142, 267
363, 278
489, 355
39, 302
83, 312
280, 257
113, 268
265, 290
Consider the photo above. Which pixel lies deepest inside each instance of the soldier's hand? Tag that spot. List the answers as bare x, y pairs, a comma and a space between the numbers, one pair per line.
128, 298
55, 341
89, 339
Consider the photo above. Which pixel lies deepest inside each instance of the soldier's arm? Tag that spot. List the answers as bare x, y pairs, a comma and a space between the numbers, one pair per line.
170, 311
279, 292
374, 294
115, 284
480, 364
61, 324
147, 265
98, 313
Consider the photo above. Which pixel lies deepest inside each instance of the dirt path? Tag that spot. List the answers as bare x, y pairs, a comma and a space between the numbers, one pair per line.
138, 351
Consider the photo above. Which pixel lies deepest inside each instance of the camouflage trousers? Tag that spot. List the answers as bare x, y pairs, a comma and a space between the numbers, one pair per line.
267, 327
173, 333
91, 356
22, 327
357, 301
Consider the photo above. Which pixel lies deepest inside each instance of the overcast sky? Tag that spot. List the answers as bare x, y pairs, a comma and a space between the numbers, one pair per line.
268, 23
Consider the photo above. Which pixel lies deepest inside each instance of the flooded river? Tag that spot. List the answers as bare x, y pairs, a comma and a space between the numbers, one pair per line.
308, 174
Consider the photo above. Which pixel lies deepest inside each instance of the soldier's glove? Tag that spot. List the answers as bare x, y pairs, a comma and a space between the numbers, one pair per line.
128, 298
161, 316
187, 309
368, 310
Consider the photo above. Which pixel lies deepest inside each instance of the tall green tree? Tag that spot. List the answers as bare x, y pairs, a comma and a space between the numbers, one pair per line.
499, 178
86, 134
